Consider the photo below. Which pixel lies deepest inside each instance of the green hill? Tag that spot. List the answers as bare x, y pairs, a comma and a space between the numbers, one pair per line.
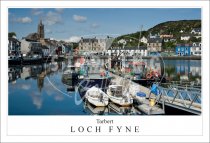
169, 27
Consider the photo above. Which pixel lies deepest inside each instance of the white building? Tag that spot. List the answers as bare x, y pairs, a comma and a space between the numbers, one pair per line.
196, 49
13, 47
30, 48
143, 40
185, 37
122, 41
181, 31
127, 51
196, 31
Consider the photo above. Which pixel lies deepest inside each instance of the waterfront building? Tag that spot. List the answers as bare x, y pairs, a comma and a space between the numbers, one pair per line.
183, 49
13, 47
88, 44
127, 51
94, 44
196, 31
30, 48
45, 51
154, 45
196, 49
50, 44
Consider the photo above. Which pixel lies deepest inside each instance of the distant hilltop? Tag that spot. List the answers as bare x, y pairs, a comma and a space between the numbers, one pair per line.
175, 28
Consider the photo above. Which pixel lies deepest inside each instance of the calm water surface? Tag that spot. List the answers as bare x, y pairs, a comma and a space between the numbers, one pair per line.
39, 90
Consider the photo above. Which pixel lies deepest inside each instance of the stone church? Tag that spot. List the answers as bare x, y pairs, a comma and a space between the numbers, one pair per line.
37, 36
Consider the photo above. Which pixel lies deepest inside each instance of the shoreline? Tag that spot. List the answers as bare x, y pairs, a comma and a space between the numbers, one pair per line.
150, 57
177, 58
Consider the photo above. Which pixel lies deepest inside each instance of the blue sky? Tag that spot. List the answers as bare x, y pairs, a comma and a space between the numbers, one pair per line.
67, 23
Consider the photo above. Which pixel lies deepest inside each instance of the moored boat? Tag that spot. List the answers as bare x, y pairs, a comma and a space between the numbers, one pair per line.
97, 97
115, 94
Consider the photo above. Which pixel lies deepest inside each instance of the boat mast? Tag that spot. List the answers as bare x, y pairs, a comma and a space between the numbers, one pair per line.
140, 36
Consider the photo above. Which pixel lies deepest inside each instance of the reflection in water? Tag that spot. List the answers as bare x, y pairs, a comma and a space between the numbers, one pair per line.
91, 109
111, 109
188, 70
31, 91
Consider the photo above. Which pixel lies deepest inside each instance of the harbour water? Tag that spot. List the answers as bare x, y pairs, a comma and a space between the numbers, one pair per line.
39, 89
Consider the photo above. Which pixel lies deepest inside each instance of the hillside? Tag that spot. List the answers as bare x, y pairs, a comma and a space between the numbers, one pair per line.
174, 27
169, 27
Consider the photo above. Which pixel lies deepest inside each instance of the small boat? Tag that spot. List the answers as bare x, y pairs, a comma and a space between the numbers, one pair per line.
115, 94
97, 97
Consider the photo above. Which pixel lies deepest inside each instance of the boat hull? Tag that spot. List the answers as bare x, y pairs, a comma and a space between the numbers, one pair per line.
97, 97
97, 102
120, 100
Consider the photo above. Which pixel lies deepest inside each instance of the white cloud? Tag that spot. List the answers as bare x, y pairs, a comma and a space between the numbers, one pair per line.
23, 20
73, 39
52, 18
59, 10
95, 25
36, 11
79, 18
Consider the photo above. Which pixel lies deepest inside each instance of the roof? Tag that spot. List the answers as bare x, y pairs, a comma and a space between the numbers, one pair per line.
128, 48
13, 39
197, 44
155, 40
87, 40
32, 36
197, 29
184, 45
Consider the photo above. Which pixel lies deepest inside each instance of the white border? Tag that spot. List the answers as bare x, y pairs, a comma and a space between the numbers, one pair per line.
178, 129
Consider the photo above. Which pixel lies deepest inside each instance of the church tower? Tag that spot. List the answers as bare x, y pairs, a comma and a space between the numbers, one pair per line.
41, 30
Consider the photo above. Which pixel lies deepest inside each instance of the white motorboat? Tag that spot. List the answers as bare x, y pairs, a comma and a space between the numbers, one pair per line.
97, 97
115, 94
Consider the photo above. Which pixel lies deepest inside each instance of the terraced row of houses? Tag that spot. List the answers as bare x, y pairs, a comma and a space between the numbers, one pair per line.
36, 45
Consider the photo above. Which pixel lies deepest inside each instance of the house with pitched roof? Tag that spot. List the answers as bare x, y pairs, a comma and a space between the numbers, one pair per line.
196, 31
154, 45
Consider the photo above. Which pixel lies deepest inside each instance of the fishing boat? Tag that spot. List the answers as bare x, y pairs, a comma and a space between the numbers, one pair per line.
97, 97
115, 93
90, 76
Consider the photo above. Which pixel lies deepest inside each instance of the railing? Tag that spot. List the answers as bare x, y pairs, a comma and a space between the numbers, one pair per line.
188, 99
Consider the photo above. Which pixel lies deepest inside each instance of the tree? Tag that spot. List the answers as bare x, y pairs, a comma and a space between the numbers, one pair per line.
11, 34
194, 39
169, 46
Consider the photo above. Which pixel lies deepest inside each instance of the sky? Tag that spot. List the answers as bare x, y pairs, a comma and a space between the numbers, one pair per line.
70, 23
